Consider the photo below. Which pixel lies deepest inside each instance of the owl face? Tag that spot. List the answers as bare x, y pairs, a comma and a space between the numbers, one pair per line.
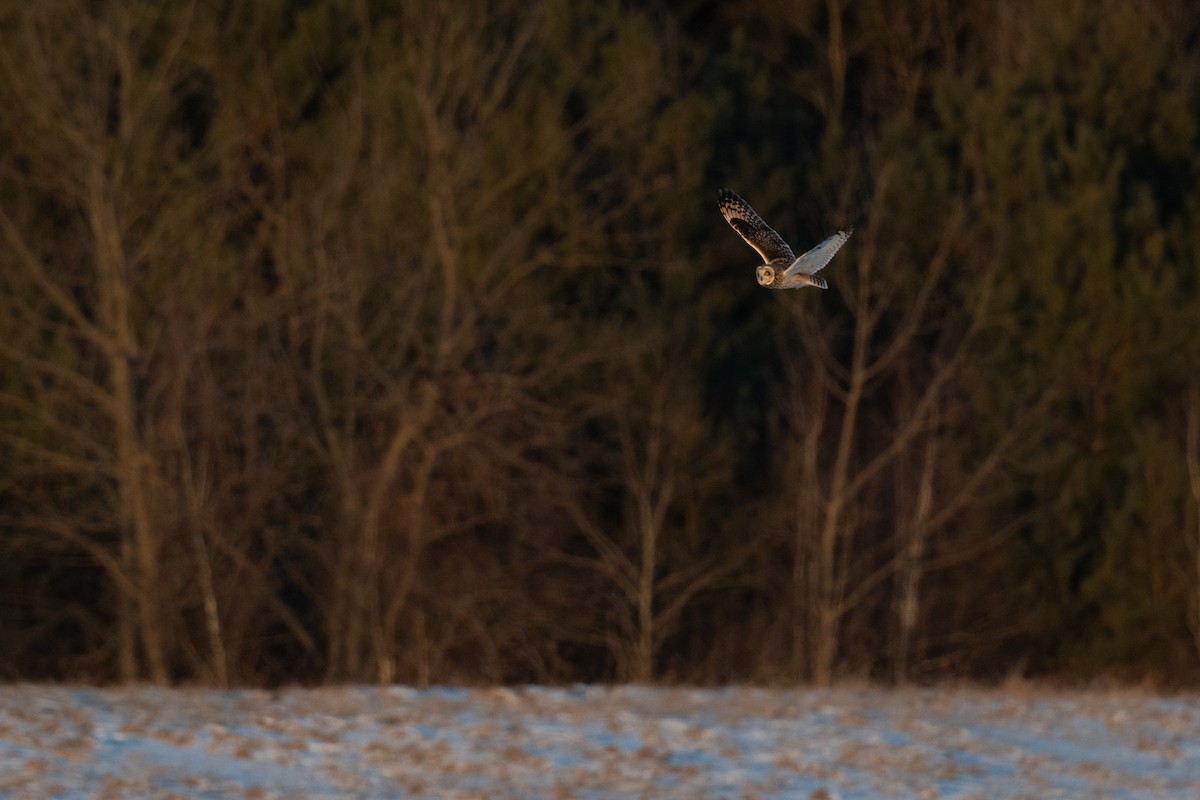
766, 275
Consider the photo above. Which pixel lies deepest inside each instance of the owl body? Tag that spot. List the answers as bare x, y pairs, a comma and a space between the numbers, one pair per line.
773, 275
781, 268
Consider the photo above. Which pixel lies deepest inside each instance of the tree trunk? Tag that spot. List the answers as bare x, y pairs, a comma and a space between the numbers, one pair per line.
1192, 453
831, 574
140, 539
912, 561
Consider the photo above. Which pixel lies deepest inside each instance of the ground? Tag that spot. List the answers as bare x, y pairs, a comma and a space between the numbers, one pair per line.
596, 742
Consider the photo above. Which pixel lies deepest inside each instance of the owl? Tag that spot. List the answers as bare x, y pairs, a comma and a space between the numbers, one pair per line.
782, 269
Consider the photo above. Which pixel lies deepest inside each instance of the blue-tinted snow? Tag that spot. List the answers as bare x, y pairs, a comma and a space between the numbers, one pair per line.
594, 742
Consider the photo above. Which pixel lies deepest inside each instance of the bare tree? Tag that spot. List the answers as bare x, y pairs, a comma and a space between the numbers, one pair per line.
140, 406
837, 565
94, 92
657, 552
416, 270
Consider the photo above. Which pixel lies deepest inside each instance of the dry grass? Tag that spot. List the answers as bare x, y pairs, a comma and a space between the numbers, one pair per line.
1018, 742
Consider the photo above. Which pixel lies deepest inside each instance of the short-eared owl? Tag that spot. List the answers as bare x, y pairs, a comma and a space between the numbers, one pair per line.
782, 269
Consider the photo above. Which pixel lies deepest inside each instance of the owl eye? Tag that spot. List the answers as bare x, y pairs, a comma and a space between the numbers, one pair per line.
766, 275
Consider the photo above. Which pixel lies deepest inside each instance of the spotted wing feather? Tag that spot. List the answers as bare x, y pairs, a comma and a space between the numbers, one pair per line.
816, 259
750, 226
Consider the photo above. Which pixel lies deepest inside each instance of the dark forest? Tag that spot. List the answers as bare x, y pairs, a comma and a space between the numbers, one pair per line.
347, 341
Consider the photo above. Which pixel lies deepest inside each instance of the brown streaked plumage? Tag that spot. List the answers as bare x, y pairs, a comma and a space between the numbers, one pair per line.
781, 268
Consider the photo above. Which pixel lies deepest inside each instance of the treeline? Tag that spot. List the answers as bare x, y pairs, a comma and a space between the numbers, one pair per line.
397, 341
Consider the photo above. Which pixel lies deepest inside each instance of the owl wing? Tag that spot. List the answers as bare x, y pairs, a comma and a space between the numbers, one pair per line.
815, 260
749, 225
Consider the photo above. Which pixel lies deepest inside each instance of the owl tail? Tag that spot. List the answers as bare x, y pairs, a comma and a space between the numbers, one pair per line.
820, 283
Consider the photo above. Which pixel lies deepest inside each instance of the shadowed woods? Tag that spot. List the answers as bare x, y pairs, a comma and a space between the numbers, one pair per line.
376, 342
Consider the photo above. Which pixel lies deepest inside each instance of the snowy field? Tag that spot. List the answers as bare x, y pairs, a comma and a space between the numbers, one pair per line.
593, 742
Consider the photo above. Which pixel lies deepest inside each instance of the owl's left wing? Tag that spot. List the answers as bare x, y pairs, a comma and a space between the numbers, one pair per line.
816, 259
750, 226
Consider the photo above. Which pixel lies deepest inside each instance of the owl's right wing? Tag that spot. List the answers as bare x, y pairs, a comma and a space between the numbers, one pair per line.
750, 226
815, 260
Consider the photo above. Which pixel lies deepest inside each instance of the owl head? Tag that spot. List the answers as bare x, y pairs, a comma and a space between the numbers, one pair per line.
766, 275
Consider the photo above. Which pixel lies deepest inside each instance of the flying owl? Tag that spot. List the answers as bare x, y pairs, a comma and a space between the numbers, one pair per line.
782, 269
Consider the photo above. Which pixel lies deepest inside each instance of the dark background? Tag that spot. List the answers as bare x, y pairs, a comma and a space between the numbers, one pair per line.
398, 341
